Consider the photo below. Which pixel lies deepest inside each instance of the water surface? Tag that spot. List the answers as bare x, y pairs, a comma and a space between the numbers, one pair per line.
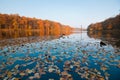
67, 57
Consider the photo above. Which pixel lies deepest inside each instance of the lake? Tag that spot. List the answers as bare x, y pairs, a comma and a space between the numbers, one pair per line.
75, 56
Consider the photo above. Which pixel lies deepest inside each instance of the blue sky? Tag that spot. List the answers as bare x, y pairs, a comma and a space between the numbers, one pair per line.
69, 12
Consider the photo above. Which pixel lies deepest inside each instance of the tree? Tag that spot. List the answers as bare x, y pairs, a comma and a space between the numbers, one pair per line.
46, 27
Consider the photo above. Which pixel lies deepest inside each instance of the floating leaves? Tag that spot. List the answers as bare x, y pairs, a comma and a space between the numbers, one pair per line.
17, 66
22, 73
62, 57
53, 57
29, 71
37, 75
66, 76
51, 69
104, 68
9, 74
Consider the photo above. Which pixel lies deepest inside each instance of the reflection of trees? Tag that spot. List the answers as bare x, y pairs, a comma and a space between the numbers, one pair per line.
24, 33
22, 37
106, 30
111, 36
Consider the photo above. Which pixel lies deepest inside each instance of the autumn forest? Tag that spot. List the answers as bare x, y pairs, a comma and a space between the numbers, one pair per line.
112, 23
46, 27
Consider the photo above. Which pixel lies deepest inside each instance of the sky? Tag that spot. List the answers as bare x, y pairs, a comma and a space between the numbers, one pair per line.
75, 13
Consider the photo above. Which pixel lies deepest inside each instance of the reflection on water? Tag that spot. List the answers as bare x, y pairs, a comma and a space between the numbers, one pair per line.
111, 37
20, 37
24, 33
71, 57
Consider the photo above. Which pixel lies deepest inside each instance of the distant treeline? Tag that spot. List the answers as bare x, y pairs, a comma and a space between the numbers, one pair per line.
108, 24
16, 22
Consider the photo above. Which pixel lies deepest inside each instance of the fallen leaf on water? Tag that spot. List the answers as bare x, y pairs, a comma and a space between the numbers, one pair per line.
29, 71
37, 75
17, 66
64, 73
31, 77
53, 57
9, 74
51, 69
118, 65
22, 74
104, 68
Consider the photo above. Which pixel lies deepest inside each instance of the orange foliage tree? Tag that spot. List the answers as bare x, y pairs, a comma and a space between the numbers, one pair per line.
46, 27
